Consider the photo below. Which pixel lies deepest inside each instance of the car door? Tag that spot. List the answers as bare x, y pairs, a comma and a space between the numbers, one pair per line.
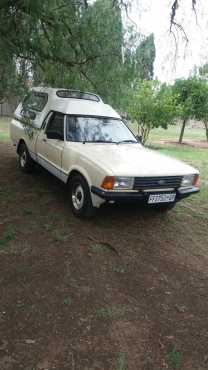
49, 150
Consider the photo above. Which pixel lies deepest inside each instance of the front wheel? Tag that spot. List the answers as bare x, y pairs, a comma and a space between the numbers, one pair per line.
25, 161
80, 197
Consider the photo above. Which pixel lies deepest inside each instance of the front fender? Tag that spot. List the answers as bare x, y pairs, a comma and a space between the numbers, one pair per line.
82, 171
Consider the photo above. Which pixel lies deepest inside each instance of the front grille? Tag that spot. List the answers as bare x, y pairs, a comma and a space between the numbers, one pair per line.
160, 182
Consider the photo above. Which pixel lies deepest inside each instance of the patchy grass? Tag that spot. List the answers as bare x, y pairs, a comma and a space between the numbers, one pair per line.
61, 235
113, 311
174, 358
68, 301
7, 237
28, 212
173, 133
119, 269
96, 248
120, 361
4, 128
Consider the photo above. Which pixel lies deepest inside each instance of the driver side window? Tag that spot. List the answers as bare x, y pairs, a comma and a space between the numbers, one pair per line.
55, 127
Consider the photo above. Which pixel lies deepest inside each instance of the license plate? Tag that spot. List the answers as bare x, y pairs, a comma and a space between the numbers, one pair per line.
161, 198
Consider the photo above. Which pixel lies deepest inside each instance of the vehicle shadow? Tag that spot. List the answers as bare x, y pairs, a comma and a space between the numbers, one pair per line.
107, 211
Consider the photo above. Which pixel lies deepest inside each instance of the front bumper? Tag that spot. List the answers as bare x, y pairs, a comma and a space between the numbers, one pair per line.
140, 196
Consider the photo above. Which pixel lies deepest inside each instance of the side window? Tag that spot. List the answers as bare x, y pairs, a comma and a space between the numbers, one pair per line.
35, 100
27, 114
55, 127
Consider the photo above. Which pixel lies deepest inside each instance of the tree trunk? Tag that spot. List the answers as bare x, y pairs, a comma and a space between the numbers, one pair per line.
206, 129
182, 131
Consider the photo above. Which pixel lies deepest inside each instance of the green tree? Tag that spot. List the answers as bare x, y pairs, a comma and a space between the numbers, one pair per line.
151, 105
74, 44
144, 59
99, 32
138, 64
203, 70
11, 78
200, 102
183, 90
191, 96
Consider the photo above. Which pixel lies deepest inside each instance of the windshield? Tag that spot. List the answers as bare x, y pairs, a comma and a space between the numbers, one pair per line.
97, 129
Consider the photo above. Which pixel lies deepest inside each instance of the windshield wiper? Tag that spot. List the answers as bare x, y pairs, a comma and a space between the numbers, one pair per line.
104, 141
101, 141
127, 141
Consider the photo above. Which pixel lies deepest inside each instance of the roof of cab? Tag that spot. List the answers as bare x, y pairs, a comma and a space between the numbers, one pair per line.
76, 105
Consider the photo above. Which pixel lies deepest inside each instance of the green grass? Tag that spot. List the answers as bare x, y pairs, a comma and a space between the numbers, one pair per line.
61, 236
120, 361
67, 301
7, 237
98, 248
112, 311
4, 128
174, 358
173, 132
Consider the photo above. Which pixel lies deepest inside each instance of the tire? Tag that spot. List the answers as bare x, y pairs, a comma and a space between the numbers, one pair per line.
26, 163
80, 197
164, 207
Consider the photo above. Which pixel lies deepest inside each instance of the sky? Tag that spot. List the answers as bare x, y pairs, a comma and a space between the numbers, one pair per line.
174, 59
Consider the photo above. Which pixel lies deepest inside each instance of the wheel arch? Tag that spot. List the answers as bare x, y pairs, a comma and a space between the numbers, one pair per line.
78, 171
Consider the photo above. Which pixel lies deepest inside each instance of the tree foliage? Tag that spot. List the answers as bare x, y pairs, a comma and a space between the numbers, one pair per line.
11, 80
191, 96
200, 102
203, 70
144, 58
76, 44
151, 105
101, 35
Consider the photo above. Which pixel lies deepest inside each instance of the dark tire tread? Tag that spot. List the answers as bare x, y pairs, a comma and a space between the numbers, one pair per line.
29, 165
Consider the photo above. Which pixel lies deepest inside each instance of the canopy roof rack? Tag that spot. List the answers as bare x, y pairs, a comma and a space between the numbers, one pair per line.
76, 94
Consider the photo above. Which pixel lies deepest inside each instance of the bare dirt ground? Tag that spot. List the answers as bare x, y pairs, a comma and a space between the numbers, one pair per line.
125, 291
203, 144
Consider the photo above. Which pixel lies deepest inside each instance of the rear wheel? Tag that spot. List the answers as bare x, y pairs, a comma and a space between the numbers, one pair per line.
80, 197
25, 161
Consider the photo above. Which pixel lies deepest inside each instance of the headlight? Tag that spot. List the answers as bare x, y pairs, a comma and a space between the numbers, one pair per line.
117, 183
188, 180
125, 183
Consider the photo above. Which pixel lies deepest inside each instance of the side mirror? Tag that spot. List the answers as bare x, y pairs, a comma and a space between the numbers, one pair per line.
139, 138
54, 135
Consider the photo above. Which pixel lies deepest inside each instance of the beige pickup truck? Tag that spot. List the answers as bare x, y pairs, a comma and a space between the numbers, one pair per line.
85, 143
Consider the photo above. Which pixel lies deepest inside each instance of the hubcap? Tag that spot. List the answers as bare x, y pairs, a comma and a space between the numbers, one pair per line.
78, 197
23, 158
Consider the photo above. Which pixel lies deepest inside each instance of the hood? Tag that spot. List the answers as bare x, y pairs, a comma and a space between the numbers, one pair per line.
134, 160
